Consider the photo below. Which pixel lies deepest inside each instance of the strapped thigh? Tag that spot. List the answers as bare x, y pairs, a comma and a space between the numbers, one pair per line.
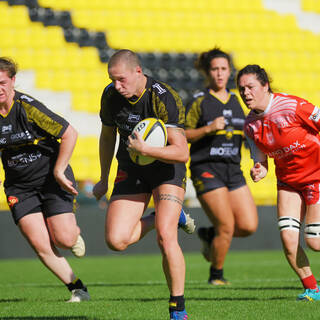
289, 223
312, 230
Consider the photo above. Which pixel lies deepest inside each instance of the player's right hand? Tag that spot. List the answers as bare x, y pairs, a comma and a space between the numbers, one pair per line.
258, 172
100, 189
217, 124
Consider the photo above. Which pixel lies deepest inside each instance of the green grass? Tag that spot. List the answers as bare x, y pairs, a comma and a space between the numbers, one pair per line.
133, 288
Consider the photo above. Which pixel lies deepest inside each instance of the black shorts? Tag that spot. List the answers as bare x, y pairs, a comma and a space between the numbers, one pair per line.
213, 175
134, 179
48, 198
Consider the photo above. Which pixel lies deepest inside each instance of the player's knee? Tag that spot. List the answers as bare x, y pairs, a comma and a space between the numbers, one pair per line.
247, 230
164, 238
289, 228
115, 243
65, 240
225, 231
312, 236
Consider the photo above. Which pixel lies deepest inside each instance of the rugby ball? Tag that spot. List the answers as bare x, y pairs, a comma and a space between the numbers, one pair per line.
154, 133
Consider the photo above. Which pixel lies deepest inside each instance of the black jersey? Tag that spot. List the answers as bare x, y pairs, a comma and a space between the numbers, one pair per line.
28, 141
159, 100
222, 145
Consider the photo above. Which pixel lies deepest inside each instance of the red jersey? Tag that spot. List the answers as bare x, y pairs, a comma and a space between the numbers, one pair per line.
288, 131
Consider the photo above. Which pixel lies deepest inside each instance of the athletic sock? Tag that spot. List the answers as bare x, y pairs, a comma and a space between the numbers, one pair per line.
76, 284
176, 303
216, 273
309, 282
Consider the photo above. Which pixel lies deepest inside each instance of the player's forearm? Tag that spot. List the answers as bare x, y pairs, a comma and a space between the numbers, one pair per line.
168, 154
176, 151
68, 141
106, 152
194, 135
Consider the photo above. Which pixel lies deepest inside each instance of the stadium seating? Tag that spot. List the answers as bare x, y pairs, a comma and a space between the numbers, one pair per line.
68, 42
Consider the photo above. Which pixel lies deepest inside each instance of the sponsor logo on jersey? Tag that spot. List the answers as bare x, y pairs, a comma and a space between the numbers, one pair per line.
3, 141
21, 136
159, 88
286, 151
29, 99
227, 113
6, 129
23, 159
315, 115
237, 121
134, 118
224, 151
12, 200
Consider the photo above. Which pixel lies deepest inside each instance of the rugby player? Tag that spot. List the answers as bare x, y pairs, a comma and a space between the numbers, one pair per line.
39, 183
131, 97
286, 128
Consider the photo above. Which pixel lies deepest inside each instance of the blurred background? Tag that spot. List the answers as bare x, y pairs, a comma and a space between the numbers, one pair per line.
62, 48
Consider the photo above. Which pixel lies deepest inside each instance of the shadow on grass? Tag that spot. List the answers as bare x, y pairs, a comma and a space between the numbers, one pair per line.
91, 285
50, 318
230, 288
11, 300
237, 299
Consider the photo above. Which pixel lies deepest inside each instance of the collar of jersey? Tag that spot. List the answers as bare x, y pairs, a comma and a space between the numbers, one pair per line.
134, 102
268, 106
5, 115
224, 102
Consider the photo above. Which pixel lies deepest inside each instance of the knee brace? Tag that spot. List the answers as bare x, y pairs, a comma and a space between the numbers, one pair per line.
289, 223
312, 230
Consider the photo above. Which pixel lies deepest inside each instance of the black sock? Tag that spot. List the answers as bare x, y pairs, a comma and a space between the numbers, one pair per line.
216, 273
176, 303
76, 284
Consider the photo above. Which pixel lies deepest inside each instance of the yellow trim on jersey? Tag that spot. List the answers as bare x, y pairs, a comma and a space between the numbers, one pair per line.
224, 132
224, 102
5, 115
134, 102
41, 119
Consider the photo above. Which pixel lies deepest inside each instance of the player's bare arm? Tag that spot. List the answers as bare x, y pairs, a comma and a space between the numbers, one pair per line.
176, 150
106, 150
194, 135
68, 141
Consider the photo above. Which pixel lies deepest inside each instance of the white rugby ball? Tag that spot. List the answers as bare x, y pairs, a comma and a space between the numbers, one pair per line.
154, 133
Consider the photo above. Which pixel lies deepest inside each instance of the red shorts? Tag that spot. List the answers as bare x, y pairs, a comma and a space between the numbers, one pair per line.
310, 193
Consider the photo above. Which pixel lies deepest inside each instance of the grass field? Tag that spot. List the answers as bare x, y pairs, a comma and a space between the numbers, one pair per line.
133, 288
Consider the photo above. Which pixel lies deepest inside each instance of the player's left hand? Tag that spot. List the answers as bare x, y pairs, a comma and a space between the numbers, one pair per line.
65, 183
136, 143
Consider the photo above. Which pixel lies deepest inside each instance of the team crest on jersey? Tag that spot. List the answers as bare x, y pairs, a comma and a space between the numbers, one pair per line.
229, 133
315, 115
12, 200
